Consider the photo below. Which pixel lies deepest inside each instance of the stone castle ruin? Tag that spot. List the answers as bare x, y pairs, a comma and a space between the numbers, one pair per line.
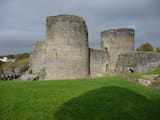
65, 53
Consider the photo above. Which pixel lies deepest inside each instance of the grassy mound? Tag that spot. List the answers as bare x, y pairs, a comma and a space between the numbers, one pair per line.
111, 98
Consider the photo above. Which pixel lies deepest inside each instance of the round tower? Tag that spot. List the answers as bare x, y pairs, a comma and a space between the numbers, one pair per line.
116, 42
66, 47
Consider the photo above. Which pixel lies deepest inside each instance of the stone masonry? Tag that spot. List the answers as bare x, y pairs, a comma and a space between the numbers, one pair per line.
116, 42
98, 62
137, 62
65, 53
37, 57
66, 49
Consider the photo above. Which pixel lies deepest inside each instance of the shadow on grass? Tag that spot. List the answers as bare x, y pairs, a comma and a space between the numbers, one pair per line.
109, 103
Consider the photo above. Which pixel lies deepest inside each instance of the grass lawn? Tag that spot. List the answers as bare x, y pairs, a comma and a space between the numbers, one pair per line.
110, 98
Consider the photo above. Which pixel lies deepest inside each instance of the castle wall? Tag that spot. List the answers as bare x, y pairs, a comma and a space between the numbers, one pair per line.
67, 53
37, 57
98, 62
116, 42
138, 62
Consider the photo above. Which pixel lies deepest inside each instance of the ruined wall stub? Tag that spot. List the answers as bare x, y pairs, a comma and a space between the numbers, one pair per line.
37, 57
66, 47
98, 62
117, 41
138, 62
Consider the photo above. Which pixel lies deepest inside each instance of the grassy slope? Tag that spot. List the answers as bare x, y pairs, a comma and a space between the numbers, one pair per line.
111, 98
152, 72
140, 75
21, 59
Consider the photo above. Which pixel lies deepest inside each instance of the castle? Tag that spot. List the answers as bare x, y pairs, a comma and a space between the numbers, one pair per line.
65, 53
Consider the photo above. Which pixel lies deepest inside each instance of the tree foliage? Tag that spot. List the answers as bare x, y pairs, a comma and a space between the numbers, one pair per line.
158, 50
145, 47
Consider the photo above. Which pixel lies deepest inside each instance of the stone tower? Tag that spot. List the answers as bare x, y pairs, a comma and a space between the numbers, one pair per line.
67, 52
116, 42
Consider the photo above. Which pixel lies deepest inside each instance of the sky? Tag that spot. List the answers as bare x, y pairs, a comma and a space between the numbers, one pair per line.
22, 22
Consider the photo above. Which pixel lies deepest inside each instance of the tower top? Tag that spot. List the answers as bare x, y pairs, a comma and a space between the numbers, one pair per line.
119, 30
65, 18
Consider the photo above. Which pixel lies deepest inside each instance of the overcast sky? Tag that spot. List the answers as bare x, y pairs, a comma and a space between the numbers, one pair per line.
22, 22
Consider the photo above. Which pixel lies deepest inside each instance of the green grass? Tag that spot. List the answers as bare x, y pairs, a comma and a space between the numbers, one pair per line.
21, 59
110, 98
152, 72
140, 75
134, 75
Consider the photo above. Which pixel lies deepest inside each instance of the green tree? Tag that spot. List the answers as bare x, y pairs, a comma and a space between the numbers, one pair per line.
158, 50
145, 47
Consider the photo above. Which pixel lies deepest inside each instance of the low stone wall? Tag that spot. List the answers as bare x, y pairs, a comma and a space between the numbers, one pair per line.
138, 62
143, 81
148, 66
98, 62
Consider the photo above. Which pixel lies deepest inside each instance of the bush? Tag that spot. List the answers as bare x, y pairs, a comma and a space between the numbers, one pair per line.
145, 47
